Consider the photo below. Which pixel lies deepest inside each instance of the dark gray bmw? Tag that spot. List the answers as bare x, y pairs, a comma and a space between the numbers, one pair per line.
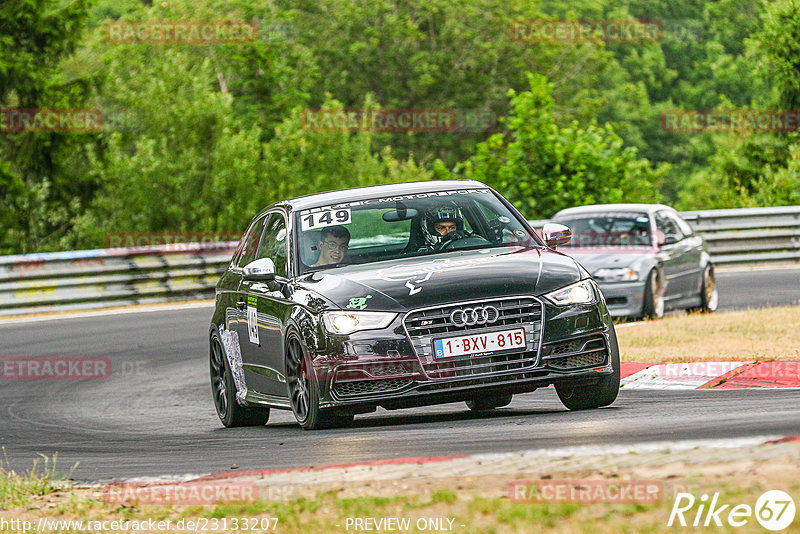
403, 295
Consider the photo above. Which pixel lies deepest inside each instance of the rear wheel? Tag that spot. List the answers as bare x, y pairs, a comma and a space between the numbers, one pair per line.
230, 412
653, 307
709, 296
489, 403
304, 394
603, 393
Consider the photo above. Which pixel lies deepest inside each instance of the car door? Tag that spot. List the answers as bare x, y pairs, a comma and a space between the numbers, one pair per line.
236, 307
265, 310
691, 251
669, 254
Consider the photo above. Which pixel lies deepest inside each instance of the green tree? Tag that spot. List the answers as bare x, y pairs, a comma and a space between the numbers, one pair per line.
438, 54
42, 178
543, 167
758, 169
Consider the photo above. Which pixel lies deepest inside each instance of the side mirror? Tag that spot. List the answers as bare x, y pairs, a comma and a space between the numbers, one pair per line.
262, 270
668, 240
556, 234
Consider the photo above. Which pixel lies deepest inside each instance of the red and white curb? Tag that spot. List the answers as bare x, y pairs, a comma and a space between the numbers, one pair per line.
711, 375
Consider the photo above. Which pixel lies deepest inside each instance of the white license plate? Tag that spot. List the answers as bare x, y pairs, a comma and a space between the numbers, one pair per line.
479, 343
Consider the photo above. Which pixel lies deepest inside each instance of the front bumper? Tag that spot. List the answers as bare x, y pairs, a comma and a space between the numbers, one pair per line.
391, 368
624, 299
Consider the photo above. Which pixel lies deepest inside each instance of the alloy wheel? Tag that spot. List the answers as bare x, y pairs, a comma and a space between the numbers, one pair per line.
297, 379
218, 385
711, 292
658, 297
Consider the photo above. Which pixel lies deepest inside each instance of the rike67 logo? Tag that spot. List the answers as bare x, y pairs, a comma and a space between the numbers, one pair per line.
774, 510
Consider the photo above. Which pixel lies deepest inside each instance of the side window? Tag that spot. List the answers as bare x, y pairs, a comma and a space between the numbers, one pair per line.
273, 243
249, 243
683, 226
667, 226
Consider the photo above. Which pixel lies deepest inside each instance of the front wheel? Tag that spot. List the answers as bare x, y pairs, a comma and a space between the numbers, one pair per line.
230, 412
653, 307
304, 391
603, 393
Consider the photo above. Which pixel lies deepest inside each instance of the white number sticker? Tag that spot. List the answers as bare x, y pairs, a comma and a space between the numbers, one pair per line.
321, 219
252, 324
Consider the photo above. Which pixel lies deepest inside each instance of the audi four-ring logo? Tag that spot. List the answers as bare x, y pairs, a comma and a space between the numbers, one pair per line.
473, 316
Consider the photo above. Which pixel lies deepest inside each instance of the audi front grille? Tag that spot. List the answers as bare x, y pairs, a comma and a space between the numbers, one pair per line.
476, 317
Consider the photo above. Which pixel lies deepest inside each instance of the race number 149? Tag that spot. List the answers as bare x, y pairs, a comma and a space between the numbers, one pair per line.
321, 219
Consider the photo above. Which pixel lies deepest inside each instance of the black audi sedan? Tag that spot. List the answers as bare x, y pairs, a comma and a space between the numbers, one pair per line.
404, 295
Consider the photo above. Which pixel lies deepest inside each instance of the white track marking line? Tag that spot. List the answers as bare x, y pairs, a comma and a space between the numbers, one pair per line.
623, 325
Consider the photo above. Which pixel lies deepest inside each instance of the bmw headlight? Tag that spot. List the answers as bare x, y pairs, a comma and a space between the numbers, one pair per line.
347, 322
623, 274
581, 293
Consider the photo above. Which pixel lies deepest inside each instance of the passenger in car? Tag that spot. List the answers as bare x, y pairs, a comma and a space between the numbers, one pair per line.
333, 245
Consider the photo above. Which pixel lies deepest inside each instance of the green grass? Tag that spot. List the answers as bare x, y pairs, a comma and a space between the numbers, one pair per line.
327, 511
17, 488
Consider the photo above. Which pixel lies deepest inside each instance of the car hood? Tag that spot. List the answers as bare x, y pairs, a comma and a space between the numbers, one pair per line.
599, 258
409, 283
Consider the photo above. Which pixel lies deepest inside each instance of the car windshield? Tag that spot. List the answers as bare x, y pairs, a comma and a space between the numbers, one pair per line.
406, 226
607, 229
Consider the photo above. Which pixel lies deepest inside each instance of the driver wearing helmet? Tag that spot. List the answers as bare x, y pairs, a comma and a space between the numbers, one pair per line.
442, 224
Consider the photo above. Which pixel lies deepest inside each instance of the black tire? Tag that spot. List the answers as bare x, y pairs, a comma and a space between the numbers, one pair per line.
653, 307
303, 389
603, 393
223, 390
489, 403
709, 295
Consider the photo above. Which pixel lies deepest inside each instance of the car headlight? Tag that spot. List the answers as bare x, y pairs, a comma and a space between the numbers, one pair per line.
619, 274
580, 293
347, 322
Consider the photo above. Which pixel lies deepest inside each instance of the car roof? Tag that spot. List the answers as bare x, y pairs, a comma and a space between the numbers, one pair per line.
603, 208
363, 193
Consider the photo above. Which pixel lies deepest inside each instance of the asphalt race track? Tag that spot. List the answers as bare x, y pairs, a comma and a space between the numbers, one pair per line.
154, 415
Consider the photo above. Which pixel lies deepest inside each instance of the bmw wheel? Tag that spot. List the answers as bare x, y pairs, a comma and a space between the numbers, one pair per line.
230, 412
303, 389
653, 307
709, 295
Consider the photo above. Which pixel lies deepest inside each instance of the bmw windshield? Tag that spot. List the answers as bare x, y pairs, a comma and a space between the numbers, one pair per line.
608, 229
381, 229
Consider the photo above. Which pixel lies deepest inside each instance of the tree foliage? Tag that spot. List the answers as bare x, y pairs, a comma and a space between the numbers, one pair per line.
544, 167
199, 137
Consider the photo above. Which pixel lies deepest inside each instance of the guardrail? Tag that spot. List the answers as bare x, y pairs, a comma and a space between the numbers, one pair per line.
749, 235
745, 235
31, 283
